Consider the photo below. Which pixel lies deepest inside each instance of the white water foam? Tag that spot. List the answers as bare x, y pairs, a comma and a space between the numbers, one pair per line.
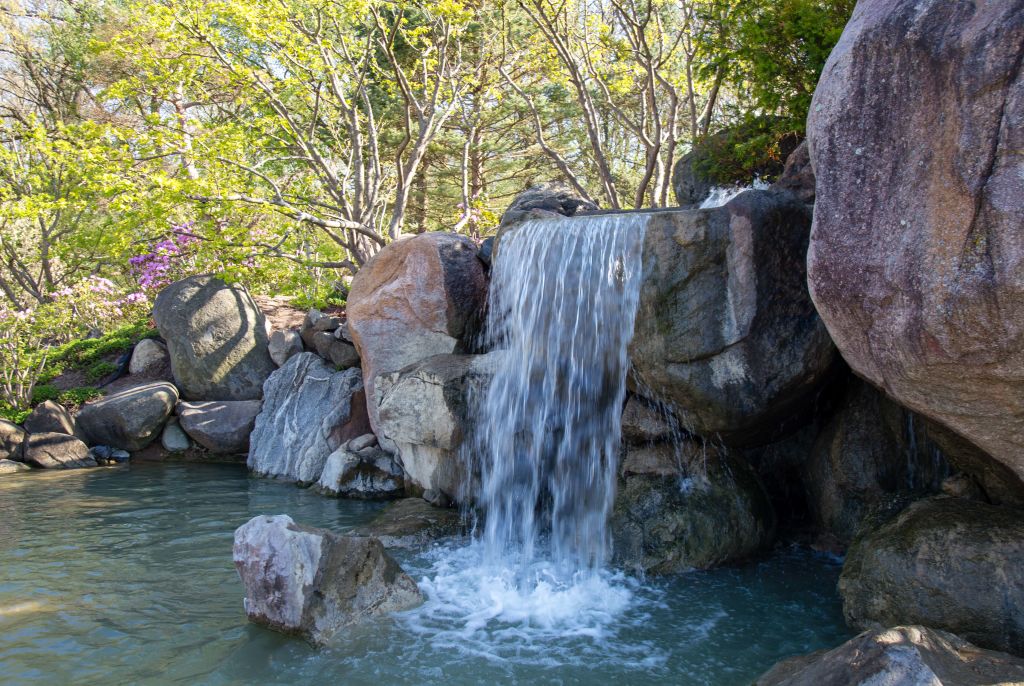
721, 195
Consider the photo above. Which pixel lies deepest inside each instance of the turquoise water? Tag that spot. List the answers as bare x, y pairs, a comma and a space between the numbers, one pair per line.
124, 575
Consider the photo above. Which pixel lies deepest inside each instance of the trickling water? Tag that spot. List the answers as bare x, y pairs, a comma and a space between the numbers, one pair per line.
721, 195
562, 305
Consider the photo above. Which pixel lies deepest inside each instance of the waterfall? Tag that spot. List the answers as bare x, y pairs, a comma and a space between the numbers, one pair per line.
562, 304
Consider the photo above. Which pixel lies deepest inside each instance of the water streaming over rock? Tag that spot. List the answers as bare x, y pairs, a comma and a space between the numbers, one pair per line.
562, 304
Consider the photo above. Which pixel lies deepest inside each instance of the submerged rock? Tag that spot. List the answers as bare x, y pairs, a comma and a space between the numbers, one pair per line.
220, 426
725, 328
50, 417
412, 523
216, 337
687, 507
417, 297
12, 467
424, 411
12, 441
57, 451
313, 583
948, 563
916, 259
357, 470
900, 656
309, 411
130, 419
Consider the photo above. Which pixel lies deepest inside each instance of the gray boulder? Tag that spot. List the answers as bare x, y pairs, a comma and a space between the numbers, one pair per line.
217, 339
57, 451
423, 410
50, 417
947, 563
283, 345
546, 200
338, 352
12, 467
725, 329
687, 506
417, 297
412, 523
12, 441
900, 656
359, 471
798, 175
130, 419
915, 259
221, 427
309, 411
149, 356
313, 583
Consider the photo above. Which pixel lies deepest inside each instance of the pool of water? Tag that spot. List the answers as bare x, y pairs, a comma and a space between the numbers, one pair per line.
124, 575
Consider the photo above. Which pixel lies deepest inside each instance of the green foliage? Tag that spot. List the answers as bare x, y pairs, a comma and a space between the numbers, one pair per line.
89, 354
753, 149
71, 397
99, 370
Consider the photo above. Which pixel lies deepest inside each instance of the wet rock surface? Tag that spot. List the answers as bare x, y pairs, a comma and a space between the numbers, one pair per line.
412, 523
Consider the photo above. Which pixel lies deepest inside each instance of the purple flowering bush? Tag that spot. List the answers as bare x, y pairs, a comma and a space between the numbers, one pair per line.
167, 260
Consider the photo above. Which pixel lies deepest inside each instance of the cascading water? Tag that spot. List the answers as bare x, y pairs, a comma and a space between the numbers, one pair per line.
562, 304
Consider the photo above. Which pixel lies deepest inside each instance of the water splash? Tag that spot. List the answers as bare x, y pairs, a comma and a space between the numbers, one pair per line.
721, 195
562, 304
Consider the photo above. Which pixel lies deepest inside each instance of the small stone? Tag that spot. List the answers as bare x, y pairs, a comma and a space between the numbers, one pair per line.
284, 344
57, 451
361, 442
174, 439
120, 456
369, 474
437, 498
149, 356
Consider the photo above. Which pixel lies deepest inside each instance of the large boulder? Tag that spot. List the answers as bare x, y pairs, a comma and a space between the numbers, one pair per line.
725, 329
217, 339
220, 426
687, 505
57, 451
417, 297
424, 411
313, 583
50, 417
900, 656
947, 563
130, 419
546, 200
916, 259
12, 441
309, 411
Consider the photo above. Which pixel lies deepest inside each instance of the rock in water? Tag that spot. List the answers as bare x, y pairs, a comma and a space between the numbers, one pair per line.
12, 441
366, 473
222, 427
725, 329
57, 451
217, 339
130, 419
423, 410
417, 297
12, 467
687, 507
313, 583
309, 411
50, 417
283, 345
412, 523
947, 563
916, 259
148, 356
900, 656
